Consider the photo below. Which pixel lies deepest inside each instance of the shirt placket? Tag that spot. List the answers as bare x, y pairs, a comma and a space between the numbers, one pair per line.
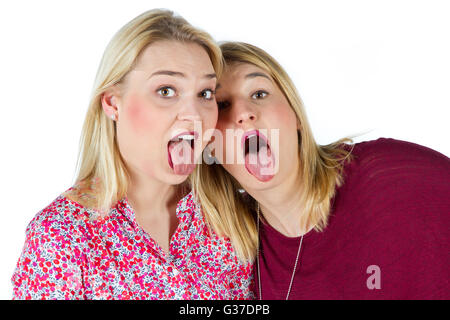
174, 275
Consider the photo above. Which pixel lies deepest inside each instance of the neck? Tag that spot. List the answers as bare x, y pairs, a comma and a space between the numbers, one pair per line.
282, 207
152, 199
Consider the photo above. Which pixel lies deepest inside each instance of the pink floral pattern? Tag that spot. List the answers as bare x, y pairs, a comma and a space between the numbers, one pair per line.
70, 254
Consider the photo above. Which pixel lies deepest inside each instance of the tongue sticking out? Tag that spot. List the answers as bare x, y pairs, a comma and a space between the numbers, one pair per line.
181, 157
261, 163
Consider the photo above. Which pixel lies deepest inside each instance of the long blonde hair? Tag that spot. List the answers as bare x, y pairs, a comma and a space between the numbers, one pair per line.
100, 166
231, 212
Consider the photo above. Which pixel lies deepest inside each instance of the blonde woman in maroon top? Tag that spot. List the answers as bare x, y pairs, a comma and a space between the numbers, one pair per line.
339, 221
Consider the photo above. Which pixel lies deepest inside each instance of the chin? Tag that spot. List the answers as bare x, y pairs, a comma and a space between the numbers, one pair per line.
259, 185
250, 182
175, 179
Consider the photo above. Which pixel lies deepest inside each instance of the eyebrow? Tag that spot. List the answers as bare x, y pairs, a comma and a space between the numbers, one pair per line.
179, 74
256, 74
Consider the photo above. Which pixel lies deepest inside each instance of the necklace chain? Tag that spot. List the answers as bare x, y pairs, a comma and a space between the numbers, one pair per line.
257, 263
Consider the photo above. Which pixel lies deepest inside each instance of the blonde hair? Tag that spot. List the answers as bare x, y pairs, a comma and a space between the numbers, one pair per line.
231, 212
101, 169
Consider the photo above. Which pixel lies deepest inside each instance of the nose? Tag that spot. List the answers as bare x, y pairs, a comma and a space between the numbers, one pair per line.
189, 112
243, 112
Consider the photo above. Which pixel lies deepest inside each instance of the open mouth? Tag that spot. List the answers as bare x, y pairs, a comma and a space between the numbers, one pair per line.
180, 150
259, 159
253, 142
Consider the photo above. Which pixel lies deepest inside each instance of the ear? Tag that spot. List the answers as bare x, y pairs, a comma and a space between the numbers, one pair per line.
210, 141
210, 152
213, 152
110, 100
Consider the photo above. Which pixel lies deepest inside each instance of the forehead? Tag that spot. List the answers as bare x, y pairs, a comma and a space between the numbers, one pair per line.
237, 72
166, 54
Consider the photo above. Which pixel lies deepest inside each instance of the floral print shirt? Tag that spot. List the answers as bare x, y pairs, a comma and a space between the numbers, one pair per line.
71, 252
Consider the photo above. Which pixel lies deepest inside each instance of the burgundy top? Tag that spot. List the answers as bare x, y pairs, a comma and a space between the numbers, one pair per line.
387, 237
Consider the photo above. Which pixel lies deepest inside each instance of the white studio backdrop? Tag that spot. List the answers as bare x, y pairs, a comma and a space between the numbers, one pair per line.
360, 66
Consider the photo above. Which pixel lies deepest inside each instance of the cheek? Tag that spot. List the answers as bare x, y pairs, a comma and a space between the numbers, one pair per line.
222, 126
222, 144
139, 116
209, 119
283, 118
139, 133
287, 149
284, 115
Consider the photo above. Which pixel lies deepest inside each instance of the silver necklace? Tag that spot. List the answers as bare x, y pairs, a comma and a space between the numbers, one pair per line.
257, 262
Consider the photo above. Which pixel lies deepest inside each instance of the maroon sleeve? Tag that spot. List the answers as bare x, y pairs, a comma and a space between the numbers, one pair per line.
404, 194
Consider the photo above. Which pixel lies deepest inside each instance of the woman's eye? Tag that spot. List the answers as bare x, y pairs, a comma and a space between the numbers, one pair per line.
166, 92
222, 104
259, 94
207, 94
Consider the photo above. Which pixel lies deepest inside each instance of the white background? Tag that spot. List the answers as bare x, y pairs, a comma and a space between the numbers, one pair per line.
378, 66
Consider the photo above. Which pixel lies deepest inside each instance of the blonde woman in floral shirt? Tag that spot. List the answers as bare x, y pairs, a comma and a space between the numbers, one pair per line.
128, 229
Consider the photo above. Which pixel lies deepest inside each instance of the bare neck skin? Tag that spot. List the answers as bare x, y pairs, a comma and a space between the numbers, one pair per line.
281, 207
154, 204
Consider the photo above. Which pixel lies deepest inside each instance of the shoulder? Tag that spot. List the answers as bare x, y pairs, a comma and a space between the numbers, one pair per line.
83, 193
51, 261
395, 150
389, 172
390, 157
60, 220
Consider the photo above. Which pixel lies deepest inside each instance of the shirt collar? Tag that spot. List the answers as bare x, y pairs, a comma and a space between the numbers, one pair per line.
187, 208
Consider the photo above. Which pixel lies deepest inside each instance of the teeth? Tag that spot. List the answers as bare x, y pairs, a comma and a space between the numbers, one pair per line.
184, 137
187, 137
